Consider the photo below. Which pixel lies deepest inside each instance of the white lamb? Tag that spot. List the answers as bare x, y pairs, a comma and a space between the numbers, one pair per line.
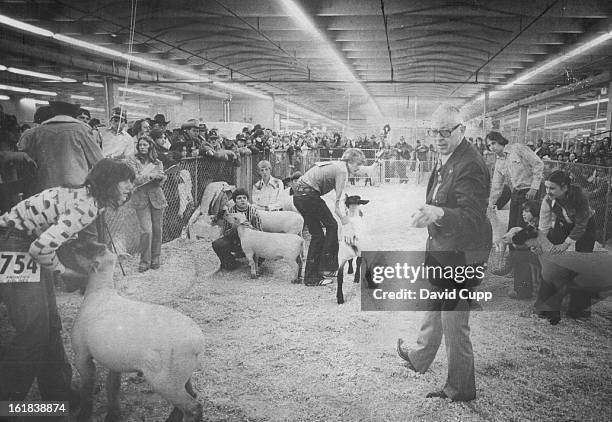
125, 335
257, 244
347, 252
281, 221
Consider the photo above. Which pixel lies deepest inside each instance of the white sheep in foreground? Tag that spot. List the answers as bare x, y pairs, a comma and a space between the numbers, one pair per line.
258, 244
347, 252
125, 335
281, 221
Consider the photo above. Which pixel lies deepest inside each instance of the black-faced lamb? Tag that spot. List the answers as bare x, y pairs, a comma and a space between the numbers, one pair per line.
347, 252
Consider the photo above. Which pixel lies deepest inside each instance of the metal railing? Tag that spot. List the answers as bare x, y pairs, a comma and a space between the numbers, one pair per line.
187, 180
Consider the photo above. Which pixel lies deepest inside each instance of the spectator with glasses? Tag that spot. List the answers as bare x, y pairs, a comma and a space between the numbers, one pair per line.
459, 235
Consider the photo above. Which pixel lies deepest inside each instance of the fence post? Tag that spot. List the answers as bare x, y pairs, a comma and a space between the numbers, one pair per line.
197, 192
605, 226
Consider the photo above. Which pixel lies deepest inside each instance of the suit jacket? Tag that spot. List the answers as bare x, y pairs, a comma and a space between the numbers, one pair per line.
148, 193
463, 194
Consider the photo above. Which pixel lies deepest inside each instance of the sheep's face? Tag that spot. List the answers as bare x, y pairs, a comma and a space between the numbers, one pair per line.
507, 238
89, 256
235, 219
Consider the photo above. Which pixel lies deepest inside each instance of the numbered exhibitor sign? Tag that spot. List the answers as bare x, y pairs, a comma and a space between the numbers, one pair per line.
18, 267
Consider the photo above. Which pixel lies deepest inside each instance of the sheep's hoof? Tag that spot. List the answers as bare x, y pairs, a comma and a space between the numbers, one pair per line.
340, 300
296, 280
253, 276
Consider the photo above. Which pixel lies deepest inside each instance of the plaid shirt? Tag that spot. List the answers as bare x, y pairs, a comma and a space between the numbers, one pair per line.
251, 214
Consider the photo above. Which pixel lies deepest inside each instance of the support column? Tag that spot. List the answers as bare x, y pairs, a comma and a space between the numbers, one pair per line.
109, 95
522, 128
609, 109
485, 107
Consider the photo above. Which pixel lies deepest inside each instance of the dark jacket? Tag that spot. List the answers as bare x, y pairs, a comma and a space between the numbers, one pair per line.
463, 194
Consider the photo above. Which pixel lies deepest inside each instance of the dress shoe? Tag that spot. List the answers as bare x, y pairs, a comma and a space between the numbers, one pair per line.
144, 266
404, 355
320, 282
155, 263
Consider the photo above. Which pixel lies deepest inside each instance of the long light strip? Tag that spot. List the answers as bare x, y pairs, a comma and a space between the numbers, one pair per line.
98, 109
4, 98
34, 101
94, 84
303, 20
154, 65
592, 102
27, 90
549, 64
561, 109
137, 105
82, 97
582, 122
150, 94
39, 75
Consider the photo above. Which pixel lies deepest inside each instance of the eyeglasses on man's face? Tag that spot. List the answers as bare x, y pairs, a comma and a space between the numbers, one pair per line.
445, 133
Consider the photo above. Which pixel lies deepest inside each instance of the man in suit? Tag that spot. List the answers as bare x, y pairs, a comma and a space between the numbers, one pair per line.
459, 235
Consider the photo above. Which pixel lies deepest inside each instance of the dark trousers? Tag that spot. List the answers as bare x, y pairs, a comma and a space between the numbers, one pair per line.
323, 248
228, 249
555, 280
36, 351
523, 283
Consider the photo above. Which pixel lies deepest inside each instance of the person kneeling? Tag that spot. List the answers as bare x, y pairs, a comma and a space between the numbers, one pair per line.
228, 246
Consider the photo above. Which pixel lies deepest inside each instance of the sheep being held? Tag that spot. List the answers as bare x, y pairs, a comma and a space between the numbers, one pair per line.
257, 244
125, 335
346, 252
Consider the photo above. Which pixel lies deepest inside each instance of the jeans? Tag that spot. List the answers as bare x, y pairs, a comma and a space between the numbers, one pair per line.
323, 248
150, 221
36, 351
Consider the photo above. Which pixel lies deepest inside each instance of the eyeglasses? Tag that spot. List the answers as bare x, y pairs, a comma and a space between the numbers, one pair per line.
445, 133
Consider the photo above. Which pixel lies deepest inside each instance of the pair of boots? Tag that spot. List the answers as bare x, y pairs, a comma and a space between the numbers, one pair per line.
149, 253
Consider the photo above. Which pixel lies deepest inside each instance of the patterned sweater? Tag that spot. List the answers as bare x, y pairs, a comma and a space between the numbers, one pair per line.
54, 216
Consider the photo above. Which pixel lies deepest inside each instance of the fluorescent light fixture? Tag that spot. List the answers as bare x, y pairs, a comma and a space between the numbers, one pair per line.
2, 68
38, 92
242, 89
592, 102
82, 97
137, 105
94, 84
14, 88
24, 26
551, 111
39, 75
4, 98
101, 110
117, 54
295, 11
33, 101
551, 63
151, 94
578, 123
26, 90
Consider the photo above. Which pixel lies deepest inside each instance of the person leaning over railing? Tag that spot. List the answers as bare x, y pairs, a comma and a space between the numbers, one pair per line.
149, 202
566, 218
41, 226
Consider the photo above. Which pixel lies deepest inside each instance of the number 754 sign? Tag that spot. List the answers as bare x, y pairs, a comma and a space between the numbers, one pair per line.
18, 267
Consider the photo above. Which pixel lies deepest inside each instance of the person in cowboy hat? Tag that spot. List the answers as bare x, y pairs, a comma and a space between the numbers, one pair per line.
159, 121
116, 142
